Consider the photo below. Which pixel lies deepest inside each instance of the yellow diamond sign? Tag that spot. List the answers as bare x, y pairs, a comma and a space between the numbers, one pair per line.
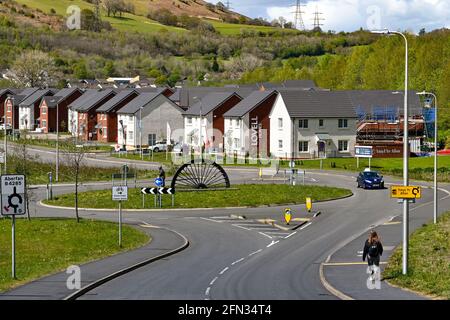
406, 192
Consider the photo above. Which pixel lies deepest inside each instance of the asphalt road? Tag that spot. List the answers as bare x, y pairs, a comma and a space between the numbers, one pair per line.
230, 258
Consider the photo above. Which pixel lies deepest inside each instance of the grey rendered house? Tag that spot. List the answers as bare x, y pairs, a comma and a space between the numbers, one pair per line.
158, 114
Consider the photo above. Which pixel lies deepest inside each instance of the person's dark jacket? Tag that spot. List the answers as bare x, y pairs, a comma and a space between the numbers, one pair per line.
367, 246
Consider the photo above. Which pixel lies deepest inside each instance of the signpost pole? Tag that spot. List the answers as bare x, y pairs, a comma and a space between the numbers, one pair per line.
369, 163
120, 224
13, 253
357, 162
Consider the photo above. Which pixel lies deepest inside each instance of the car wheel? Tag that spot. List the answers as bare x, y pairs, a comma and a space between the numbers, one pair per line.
156, 150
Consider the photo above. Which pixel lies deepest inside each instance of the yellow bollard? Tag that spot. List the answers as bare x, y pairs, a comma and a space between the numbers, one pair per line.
287, 215
309, 204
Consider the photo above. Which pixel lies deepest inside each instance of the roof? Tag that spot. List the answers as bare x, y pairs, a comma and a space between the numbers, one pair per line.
210, 102
187, 94
65, 93
299, 84
36, 96
6, 91
88, 94
249, 103
92, 99
119, 98
140, 101
51, 102
318, 104
368, 100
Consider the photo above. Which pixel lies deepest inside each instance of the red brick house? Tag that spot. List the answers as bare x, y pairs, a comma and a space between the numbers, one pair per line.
107, 115
13, 102
54, 110
86, 111
4, 94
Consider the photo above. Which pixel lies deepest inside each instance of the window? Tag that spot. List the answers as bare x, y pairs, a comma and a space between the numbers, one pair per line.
152, 139
280, 144
321, 123
131, 135
343, 123
303, 146
44, 110
236, 142
189, 120
130, 118
303, 123
280, 123
44, 124
343, 145
236, 122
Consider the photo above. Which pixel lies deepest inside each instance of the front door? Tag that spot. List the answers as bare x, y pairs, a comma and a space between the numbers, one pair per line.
321, 149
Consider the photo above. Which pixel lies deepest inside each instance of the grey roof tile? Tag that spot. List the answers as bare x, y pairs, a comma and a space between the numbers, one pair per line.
121, 96
36, 96
249, 103
140, 101
210, 102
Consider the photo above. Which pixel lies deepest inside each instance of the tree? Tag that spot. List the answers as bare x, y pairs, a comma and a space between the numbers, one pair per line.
74, 156
35, 69
90, 21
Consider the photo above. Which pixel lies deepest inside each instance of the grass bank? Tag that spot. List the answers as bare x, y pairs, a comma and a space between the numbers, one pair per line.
46, 246
429, 262
240, 195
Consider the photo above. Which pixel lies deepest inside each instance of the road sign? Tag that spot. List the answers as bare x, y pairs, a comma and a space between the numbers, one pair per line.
120, 193
159, 182
308, 204
363, 151
13, 195
406, 192
158, 191
287, 215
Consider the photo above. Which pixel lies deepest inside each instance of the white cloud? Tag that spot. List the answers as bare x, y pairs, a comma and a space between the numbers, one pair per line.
350, 15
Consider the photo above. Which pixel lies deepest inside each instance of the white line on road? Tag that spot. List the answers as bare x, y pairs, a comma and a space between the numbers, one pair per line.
272, 243
306, 225
253, 224
290, 235
253, 253
265, 235
224, 270
236, 225
213, 280
211, 220
207, 291
279, 233
237, 261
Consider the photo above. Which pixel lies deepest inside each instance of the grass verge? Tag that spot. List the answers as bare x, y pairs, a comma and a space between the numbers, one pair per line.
429, 262
241, 195
45, 246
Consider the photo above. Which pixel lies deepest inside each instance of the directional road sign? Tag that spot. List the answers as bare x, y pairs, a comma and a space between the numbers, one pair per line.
13, 195
363, 151
159, 182
120, 193
406, 192
158, 190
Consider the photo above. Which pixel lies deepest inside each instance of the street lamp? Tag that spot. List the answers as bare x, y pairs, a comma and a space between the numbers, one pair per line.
423, 93
200, 132
6, 141
57, 142
140, 131
405, 151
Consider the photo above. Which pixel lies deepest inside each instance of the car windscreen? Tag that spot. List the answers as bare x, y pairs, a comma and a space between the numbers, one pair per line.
371, 175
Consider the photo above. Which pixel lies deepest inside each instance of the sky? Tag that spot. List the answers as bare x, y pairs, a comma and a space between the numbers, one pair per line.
350, 15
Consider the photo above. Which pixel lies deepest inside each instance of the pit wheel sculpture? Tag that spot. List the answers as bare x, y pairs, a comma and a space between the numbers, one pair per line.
200, 175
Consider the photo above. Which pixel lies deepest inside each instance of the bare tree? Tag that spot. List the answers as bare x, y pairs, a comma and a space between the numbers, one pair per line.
35, 68
74, 156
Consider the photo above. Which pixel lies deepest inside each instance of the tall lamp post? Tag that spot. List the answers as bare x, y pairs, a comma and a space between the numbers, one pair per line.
405, 152
6, 140
57, 142
424, 93
140, 132
200, 132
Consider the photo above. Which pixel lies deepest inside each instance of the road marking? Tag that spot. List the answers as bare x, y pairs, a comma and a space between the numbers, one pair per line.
266, 235
268, 229
236, 225
237, 261
306, 225
207, 291
391, 223
290, 235
280, 233
252, 224
253, 253
224, 270
272, 243
347, 263
301, 219
213, 280
388, 248
207, 219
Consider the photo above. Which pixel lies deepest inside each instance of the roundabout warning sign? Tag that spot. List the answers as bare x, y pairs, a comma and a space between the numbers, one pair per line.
13, 195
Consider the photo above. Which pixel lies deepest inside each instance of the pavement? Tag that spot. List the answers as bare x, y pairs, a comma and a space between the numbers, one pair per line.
232, 258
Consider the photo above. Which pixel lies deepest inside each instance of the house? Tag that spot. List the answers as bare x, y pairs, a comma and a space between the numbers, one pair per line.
158, 113
4, 94
247, 125
29, 111
54, 110
13, 102
312, 124
86, 112
189, 96
210, 111
107, 115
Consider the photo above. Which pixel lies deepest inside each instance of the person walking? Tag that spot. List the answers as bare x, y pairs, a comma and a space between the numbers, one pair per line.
162, 175
373, 249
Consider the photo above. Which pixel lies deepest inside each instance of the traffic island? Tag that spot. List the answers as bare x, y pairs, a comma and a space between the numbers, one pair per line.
45, 246
250, 195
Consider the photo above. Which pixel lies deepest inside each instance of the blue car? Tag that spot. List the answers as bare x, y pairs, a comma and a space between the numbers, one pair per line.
370, 180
